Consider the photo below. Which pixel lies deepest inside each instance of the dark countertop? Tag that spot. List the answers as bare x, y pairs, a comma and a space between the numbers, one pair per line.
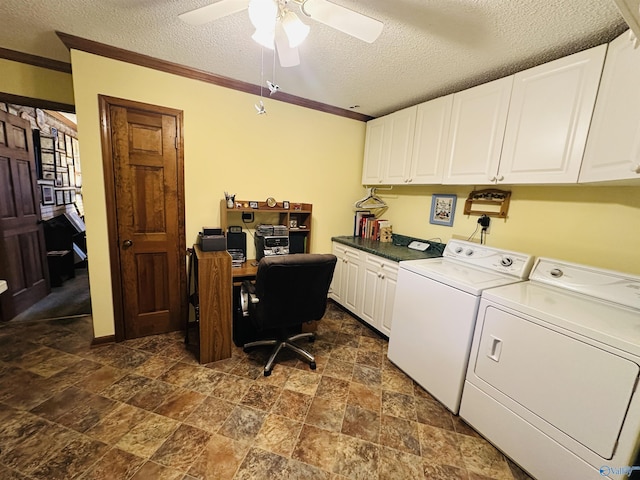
396, 250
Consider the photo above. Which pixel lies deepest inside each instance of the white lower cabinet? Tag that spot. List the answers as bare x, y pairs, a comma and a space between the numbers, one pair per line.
346, 286
365, 284
379, 289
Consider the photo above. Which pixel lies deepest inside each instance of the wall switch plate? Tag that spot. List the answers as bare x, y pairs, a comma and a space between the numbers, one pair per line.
420, 246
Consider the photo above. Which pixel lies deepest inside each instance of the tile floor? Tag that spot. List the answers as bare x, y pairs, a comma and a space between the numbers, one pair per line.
145, 409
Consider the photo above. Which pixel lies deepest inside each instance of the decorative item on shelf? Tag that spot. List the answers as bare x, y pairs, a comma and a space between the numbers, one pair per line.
253, 205
386, 231
230, 199
490, 202
271, 202
297, 206
285, 205
293, 222
443, 209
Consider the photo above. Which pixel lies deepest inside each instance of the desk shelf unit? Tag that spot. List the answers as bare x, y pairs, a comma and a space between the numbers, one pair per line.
298, 215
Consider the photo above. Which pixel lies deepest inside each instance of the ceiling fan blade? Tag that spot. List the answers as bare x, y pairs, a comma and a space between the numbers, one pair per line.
288, 56
341, 18
212, 12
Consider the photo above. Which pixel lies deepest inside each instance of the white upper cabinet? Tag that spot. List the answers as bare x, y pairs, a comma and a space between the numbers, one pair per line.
374, 151
388, 145
400, 127
549, 116
477, 128
613, 147
430, 141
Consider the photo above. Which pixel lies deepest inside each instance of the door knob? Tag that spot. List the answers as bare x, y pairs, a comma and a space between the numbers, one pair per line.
127, 243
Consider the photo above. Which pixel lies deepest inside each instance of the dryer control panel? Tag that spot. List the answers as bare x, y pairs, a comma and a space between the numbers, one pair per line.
616, 287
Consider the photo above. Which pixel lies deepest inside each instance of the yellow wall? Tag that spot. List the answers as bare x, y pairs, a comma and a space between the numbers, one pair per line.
597, 226
35, 82
292, 153
298, 154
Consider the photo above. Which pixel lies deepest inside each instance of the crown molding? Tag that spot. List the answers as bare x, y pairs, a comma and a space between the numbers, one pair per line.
35, 60
36, 103
115, 53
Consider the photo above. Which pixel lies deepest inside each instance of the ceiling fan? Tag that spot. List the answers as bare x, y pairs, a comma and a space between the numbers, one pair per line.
280, 28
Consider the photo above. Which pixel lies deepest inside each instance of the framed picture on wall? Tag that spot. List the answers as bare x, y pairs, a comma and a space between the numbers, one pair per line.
48, 197
59, 197
443, 209
67, 196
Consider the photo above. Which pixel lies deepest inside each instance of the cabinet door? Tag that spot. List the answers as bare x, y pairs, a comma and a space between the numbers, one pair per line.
430, 141
336, 282
399, 129
378, 291
374, 151
351, 280
370, 279
613, 146
549, 117
386, 296
478, 121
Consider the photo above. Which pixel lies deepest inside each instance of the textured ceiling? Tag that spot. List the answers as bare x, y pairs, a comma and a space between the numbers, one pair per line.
427, 48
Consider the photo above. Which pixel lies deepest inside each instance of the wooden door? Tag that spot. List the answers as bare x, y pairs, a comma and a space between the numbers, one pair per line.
22, 250
148, 217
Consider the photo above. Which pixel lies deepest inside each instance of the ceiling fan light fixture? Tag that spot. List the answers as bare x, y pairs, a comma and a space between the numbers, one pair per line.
294, 28
263, 14
264, 37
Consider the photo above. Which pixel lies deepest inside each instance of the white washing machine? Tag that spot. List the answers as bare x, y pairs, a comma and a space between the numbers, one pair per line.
553, 373
435, 310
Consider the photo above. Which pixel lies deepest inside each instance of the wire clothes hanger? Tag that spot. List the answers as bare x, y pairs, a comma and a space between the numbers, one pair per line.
371, 200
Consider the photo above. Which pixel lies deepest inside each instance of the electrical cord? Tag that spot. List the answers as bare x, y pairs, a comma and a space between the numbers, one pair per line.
474, 233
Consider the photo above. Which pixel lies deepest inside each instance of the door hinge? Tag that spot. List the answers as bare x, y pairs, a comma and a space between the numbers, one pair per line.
175, 141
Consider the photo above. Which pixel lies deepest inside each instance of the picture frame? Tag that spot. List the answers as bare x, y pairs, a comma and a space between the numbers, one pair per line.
293, 222
443, 209
48, 196
253, 204
67, 196
285, 204
59, 197
46, 143
48, 158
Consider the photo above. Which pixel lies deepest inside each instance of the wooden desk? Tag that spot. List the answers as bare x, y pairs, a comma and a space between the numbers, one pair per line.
215, 291
247, 271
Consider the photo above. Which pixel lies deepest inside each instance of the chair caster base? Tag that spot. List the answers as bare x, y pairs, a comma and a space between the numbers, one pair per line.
267, 373
312, 365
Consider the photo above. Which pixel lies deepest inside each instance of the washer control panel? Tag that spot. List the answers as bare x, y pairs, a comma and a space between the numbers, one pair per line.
504, 261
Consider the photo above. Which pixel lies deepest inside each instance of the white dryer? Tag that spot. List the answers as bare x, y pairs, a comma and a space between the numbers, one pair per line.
553, 373
435, 310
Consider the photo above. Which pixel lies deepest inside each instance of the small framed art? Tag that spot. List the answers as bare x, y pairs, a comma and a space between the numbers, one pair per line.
443, 209
59, 197
48, 197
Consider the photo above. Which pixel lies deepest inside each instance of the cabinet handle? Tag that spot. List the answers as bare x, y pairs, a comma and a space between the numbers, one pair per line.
501, 178
382, 276
636, 169
492, 179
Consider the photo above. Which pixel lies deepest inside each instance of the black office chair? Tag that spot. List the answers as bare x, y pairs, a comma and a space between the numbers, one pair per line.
289, 290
